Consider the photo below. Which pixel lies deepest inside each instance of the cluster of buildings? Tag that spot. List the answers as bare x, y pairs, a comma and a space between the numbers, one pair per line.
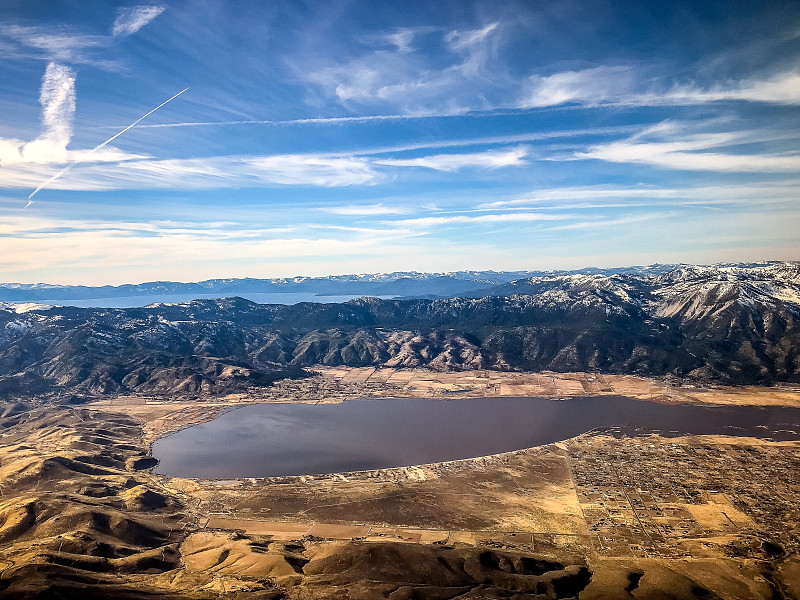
655, 496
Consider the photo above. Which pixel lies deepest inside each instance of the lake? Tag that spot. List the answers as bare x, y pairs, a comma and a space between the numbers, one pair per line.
268, 440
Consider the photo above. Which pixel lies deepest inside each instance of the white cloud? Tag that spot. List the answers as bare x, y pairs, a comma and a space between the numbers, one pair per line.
381, 80
27, 164
318, 170
497, 140
426, 222
476, 48
400, 39
57, 98
57, 44
554, 198
491, 159
591, 86
669, 145
199, 173
682, 156
431, 144
132, 19
599, 223
409, 81
783, 88
364, 210
459, 40
626, 86
113, 169
64, 44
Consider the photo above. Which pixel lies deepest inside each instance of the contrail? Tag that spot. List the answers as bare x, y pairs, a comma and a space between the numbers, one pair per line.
96, 148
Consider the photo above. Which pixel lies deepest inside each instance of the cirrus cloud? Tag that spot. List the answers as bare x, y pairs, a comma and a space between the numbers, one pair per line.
625, 86
132, 19
491, 159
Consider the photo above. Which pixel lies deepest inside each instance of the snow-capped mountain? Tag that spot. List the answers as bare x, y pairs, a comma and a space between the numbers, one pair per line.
731, 323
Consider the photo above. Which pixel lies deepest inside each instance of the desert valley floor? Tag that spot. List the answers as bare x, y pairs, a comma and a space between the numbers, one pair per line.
605, 514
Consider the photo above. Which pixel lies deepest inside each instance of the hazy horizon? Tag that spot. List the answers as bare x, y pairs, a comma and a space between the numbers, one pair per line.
398, 272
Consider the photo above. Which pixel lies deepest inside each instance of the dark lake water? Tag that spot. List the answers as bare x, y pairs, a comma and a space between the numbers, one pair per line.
269, 440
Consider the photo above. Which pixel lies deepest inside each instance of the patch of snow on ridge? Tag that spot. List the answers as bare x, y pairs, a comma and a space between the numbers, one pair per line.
24, 307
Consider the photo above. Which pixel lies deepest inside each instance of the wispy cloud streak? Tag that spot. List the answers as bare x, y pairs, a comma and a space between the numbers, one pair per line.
477, 219
130, 20
599, 223
691, 153
491, 159
624, 86
600, 84
364, 210
603, 196
62, 44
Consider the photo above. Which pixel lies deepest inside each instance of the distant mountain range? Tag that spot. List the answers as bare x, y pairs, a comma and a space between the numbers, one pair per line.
726, 323
403, 284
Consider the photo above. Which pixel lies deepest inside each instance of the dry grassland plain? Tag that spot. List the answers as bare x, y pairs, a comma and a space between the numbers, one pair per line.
595, 516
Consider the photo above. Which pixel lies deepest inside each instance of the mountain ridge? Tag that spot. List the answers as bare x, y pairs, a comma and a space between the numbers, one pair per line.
398, 283
375, 283
732, 324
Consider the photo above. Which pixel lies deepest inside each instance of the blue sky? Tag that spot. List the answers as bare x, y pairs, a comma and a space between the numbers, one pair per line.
346, 137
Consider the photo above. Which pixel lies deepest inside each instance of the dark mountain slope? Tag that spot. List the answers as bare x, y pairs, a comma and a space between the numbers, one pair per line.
737, 324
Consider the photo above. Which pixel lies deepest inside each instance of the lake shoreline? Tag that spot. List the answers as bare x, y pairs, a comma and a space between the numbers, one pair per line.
302, 439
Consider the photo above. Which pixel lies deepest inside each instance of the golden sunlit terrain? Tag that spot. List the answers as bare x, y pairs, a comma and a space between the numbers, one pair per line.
596, 515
